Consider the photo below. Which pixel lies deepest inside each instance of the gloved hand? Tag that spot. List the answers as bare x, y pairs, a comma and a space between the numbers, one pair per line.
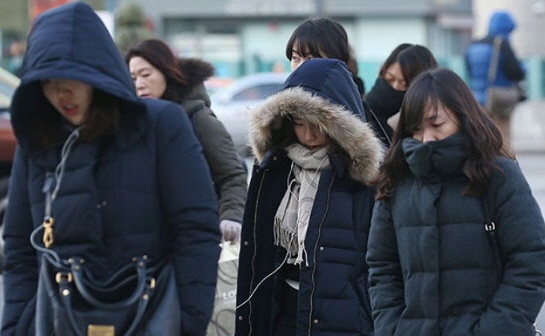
230, 230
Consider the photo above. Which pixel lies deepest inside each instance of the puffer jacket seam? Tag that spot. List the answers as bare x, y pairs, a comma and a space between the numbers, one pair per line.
313, 279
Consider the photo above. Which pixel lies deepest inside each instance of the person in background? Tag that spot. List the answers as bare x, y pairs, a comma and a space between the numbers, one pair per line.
403, 64
507, 73
457, 241
158, 73
354, 69
15, 58
325, 38
129, 176
309, 207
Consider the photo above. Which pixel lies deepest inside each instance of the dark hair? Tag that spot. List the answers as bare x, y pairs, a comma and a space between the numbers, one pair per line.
103, 118
483, 139
392, 58
159, 54
414, 60
319, 37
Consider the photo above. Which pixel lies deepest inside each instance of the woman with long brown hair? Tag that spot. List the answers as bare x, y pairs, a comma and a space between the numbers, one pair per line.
158, 73
457, 241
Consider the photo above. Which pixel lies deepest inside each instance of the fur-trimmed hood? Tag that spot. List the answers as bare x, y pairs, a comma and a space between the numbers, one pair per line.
344, 126
196, 72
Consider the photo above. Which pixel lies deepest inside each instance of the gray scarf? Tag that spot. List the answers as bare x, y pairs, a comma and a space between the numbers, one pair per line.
293, 214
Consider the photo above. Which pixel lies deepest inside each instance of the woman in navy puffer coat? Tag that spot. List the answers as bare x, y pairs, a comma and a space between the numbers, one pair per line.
320, 288
134, 183
434, 268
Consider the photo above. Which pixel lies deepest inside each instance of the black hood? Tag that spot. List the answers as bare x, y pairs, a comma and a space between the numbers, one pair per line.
70, 42
329, 79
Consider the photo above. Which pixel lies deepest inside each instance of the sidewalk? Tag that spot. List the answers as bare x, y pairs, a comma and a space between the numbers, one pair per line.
528, 127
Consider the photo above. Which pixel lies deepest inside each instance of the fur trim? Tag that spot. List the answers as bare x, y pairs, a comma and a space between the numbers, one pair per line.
196, 71
350, 132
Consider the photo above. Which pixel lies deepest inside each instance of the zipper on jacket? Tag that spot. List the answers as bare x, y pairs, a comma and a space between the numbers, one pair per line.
313, 280
255, 251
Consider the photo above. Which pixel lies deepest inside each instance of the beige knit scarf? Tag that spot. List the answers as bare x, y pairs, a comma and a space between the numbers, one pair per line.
293, 214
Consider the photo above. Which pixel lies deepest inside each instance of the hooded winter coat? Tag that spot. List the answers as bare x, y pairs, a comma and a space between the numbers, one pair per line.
332, 297
479, 55
145, 190
433, 268
228, 174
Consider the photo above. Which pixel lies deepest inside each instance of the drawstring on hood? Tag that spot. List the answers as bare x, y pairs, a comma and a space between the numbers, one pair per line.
65, 152
50, 196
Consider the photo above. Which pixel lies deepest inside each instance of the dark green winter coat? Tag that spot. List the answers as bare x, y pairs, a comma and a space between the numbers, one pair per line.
230, 178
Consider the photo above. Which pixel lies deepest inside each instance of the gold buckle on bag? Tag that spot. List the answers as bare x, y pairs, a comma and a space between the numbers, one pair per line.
48, 237
100, 330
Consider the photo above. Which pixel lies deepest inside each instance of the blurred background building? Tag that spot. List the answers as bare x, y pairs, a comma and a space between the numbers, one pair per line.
246, 36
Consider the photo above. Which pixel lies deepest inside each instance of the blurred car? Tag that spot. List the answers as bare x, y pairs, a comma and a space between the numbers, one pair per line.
232, 104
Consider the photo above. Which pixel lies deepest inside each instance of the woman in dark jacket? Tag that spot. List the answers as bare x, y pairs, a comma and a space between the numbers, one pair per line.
457, 241
130, 181
302, 264
403, 64
157, 73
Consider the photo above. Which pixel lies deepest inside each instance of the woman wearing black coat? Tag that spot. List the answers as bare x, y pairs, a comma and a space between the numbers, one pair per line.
403, 64
128, 175
302, 264
457, 241
157, 73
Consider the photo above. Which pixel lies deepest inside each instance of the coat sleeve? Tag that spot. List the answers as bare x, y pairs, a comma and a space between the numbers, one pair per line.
228, 174
521, 236
190, 206
20, 263
385, 277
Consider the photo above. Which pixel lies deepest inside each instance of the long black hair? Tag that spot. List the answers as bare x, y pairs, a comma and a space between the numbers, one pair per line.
484, 140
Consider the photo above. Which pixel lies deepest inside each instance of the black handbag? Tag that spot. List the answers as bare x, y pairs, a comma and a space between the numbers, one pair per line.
138, 300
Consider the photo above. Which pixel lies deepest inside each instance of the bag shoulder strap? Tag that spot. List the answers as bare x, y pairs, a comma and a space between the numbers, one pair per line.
493, 67
490, 228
